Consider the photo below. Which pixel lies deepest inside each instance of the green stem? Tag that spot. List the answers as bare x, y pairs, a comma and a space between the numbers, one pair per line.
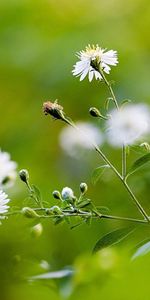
109, 87
84, 214
123, 177
134, 199
98, 150
124, 162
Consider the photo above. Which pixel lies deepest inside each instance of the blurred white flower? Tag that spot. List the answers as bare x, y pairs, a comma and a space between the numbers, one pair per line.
3, 201
73, 141
7, 169
128, 124
91, 59
67, 193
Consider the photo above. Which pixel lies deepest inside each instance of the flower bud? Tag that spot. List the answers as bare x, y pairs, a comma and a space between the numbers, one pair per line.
83, 188
94, 112
53, 109
54, 210
56, 195
67, 193
24, 175
29, 212
145, 145
37, 230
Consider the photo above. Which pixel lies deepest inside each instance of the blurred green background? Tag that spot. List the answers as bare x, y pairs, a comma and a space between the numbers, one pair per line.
38, 41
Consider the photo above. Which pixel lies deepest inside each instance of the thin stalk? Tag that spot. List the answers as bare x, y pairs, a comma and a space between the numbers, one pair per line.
124, 162
125, 219
109, 87
99, 151
83, 214
134, 199
123, 177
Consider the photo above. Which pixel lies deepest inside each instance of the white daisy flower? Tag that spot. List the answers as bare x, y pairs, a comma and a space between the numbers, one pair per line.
67, 193
91, 59
7, 169
127, 125
3, 202
74, 142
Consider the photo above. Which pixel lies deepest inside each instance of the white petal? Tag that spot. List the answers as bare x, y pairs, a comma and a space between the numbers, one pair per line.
85, 72
91, 74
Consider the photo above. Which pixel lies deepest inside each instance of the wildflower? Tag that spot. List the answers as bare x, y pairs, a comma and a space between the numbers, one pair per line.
67, 193
128, 124
7, 169
91, 60
73, 141
3, 202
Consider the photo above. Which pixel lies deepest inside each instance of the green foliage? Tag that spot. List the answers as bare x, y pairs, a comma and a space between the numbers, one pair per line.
112, 238
141, 249
139, 163
98, 173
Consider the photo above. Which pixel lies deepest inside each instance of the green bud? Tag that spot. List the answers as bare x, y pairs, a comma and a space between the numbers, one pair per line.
54, 210
37, 230
146, 146
83, 188
29, 212
24, 175
56, 195
94, 112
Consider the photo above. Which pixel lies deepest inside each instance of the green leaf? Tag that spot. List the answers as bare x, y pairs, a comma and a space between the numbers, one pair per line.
53, 275
139, 149
142, 249
83, 203
98, 172
139, 163
106, 105
36, 194
102, 209
58, 220
125, 101
112, 238
76, 225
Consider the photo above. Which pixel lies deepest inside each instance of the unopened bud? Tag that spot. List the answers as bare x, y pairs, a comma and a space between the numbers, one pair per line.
83, 188
146, 146
56, 195
24, 175
53, 109
29, 212
37, 230
94, 112
54, 210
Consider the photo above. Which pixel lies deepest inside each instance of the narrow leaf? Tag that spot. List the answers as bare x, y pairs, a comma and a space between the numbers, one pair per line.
36, 194
125, 101
142, 249
139, 163
106, 105
139, 149
102, 209
53, 275
112, 238
98, 172
84, 203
